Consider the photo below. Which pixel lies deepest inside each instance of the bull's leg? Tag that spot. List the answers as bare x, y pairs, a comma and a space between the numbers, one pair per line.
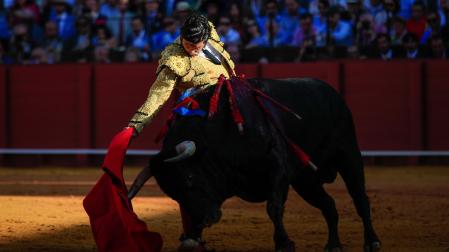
275, 205
191, 240
315, 195
275, 209
351, 170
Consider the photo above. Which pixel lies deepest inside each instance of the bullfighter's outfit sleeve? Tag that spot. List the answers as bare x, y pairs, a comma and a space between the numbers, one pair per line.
159, 93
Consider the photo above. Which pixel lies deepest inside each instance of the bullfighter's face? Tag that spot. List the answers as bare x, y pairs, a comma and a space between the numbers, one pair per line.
193, 49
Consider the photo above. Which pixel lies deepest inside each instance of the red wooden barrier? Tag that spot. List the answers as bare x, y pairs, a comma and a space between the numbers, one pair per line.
50, 106
326, 71
249, 70
57, 106
437, 109
3, 96
385, 99
119, 91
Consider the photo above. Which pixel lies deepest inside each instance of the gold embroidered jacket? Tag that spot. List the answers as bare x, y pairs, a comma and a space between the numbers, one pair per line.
179, 70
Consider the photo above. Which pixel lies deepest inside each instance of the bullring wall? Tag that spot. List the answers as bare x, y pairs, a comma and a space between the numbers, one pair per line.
399, 105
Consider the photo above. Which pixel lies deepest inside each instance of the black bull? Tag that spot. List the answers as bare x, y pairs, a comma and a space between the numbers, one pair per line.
259, 165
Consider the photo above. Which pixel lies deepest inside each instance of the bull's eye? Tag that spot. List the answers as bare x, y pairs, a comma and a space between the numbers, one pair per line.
189, 180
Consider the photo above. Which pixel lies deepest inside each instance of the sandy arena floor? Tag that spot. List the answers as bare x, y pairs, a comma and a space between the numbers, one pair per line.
41, 210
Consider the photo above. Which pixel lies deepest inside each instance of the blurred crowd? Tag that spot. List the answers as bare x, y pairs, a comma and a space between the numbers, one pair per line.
54, 31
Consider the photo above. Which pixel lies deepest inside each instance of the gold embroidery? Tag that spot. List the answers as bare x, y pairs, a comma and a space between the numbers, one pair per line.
159, 93
175, 58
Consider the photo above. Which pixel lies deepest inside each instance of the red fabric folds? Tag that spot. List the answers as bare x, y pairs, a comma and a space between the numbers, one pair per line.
114, 224
213, 104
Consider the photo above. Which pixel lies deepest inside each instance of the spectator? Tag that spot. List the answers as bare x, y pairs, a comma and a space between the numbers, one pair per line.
320, 23
212, 10
271, 16
118, 20
411, 45
228, 35
132, 55
313, 8
398, 30
102, 54
353, 52
445, 29
376, 9
329, 52
391, 8
433, 27
24, 11
437, 48
92, 12
405, 8
236, 17
307, 50
341, 4
103, 37
365, 31
78, 8
64, 20
339, 30
417, 23
52, 43
290, 19
304, 31
4, 57
234, 52
355, 10
255, 37
273, 38
152, 16
165, 37
443, 9
383, 48
139, 38
21, 44
110, 10
79, 48
182, 11
5, 33
38, 56
169, 7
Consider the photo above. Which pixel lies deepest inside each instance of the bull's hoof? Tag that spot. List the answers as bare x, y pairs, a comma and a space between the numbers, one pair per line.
372, 247
288, 247
336, 248
191, 245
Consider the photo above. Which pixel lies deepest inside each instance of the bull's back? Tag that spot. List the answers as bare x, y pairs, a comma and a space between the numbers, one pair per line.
319, 105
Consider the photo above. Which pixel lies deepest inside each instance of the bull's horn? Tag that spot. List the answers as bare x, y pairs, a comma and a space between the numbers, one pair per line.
185, 149
314, 167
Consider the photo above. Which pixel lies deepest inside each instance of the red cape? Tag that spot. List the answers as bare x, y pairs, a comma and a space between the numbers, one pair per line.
114, 224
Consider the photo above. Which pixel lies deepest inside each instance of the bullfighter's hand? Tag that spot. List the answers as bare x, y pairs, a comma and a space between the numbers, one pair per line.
134, 135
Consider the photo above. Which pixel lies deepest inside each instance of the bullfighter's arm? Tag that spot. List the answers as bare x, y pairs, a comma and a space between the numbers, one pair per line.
159, 93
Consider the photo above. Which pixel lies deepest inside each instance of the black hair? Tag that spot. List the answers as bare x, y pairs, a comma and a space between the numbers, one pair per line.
435, 36
325, 3
383, 35
196, 28
305, 16
137, 17
410, 37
